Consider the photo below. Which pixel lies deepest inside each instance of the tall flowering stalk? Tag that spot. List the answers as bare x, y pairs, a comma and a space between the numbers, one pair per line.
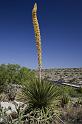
38, 38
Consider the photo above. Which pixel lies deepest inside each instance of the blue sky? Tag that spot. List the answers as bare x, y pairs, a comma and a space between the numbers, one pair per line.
61, 33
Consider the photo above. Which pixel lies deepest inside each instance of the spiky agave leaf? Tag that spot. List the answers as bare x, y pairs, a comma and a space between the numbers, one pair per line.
40, 95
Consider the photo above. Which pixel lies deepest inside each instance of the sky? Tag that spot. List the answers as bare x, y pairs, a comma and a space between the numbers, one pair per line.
61, 33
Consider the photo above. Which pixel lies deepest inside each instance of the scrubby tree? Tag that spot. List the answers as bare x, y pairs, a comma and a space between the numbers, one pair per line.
14, 74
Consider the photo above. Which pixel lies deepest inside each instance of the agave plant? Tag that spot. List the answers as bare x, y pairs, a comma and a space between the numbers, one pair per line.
40, 94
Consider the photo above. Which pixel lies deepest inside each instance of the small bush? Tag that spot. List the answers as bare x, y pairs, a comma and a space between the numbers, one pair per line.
79, 101
70, 91
64, 100
73, 115
79, 90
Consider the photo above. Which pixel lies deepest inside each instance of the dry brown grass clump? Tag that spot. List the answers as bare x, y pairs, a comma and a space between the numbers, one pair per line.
73, 115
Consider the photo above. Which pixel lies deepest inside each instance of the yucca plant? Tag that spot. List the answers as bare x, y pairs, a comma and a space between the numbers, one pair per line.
40, 94
37, 37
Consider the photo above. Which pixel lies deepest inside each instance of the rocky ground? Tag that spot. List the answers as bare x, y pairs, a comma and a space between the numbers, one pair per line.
71, 75
13, 104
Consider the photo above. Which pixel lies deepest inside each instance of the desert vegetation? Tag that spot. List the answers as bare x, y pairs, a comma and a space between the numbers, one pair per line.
36, 102
28, 98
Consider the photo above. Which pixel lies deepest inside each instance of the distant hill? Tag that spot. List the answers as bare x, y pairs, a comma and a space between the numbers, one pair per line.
71, 75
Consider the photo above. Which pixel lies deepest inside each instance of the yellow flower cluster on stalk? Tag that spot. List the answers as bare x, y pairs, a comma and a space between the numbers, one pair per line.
38, 38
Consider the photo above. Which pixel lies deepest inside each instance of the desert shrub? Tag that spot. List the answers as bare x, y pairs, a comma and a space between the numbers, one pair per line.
3, 76
73, 115
79, 101
10, 92
67, 90
36, 116
39, 116
2, 87
70, 91
40, 94
64, 100
14, 74
79, 90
